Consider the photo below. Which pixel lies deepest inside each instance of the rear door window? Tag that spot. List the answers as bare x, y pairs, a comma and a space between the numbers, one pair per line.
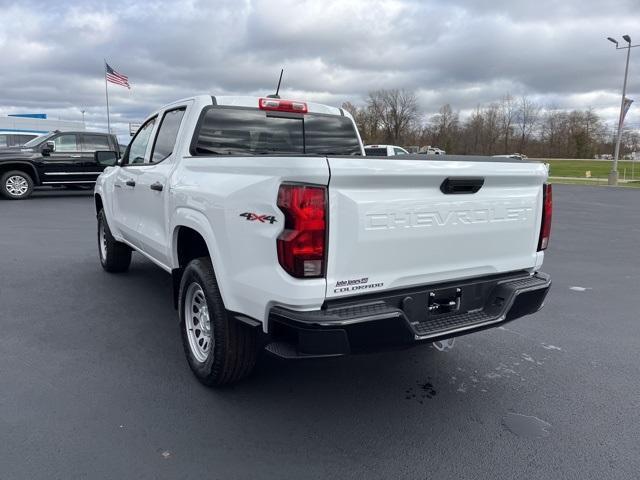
92, 143
167, 135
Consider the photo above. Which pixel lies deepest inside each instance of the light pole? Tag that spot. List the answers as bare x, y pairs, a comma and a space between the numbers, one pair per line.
613, 175
84, 125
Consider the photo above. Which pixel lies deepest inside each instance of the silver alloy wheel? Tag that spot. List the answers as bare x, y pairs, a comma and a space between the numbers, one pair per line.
16, 185
102, 241
197, 322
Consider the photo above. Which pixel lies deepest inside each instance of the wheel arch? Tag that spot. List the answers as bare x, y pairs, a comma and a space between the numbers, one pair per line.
98, 201
193, 237
189, 244
25, 167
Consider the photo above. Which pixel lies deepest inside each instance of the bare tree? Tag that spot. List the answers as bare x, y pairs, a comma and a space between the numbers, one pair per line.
391, 116
397, 111
351, 108
554, 133
445, 127
507, 118
490, 128
367, 121
527, 119
473, 132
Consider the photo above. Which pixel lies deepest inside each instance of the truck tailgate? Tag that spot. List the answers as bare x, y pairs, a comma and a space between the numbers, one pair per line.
391, 225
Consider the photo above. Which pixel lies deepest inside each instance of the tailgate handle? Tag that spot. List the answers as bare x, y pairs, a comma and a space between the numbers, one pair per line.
460, 185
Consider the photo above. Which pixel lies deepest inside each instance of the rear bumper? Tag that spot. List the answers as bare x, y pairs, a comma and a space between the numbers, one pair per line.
406, 317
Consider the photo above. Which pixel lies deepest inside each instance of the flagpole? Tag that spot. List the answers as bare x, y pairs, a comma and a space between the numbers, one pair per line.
106, 92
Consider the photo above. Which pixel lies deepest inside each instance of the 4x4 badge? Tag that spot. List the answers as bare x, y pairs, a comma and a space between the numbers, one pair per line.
252, 217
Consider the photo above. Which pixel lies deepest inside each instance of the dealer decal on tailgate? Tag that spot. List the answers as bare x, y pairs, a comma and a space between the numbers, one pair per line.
354, 285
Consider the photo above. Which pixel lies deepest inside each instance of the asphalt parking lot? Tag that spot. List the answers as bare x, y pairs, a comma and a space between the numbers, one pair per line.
94, 383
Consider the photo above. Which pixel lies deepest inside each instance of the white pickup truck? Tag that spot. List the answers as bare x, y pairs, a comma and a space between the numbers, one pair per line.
280, 234
384, 150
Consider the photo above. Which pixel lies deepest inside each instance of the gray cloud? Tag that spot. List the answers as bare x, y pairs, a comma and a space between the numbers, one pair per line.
462, 52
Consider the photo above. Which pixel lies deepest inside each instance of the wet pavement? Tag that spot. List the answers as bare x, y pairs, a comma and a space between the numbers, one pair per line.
93, 381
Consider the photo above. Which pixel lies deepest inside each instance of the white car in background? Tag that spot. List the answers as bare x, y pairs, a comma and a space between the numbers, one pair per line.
433, 151
384, 150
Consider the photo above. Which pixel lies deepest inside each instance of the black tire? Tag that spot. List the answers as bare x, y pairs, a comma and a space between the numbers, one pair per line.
114, 256
16, 185
233, 351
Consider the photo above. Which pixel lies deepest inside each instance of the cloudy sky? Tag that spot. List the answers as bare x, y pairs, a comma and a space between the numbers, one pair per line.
461, 52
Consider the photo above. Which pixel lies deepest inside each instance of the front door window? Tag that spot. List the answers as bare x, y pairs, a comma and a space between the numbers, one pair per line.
66, 143
139, 144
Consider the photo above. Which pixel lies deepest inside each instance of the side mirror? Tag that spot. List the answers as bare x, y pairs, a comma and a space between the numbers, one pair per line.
106, 158
49, 146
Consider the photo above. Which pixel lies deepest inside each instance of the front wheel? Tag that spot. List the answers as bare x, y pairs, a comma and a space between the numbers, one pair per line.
219, 349
16, 185
114, 256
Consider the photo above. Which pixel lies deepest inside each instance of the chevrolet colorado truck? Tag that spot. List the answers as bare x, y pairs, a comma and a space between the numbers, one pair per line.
280, 234
57, 159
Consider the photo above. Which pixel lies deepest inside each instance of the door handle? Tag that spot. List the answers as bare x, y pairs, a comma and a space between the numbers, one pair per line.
157, 186
130, 183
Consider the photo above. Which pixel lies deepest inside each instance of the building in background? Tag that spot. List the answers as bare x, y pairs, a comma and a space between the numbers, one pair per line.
16, 130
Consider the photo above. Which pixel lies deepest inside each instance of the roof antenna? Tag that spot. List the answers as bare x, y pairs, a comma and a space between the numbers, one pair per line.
277, 89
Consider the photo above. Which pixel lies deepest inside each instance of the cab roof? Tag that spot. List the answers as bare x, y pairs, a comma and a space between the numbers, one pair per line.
252, 102
242, 101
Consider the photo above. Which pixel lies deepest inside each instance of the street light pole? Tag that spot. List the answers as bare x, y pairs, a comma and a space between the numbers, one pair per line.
613, 175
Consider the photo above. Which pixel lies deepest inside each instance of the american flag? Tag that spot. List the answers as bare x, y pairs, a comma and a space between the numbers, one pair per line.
115, 77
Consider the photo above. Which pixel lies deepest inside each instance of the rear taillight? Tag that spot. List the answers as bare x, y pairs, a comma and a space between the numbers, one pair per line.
275, 104
302, 245
547, 210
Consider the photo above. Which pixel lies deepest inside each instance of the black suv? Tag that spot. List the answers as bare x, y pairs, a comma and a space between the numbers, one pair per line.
69, 159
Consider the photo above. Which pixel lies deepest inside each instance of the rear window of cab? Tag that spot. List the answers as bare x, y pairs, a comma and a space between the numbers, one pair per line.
249, 131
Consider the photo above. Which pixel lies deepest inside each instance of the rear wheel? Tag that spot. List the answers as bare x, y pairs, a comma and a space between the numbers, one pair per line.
16, 185
114, 256
219, 349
